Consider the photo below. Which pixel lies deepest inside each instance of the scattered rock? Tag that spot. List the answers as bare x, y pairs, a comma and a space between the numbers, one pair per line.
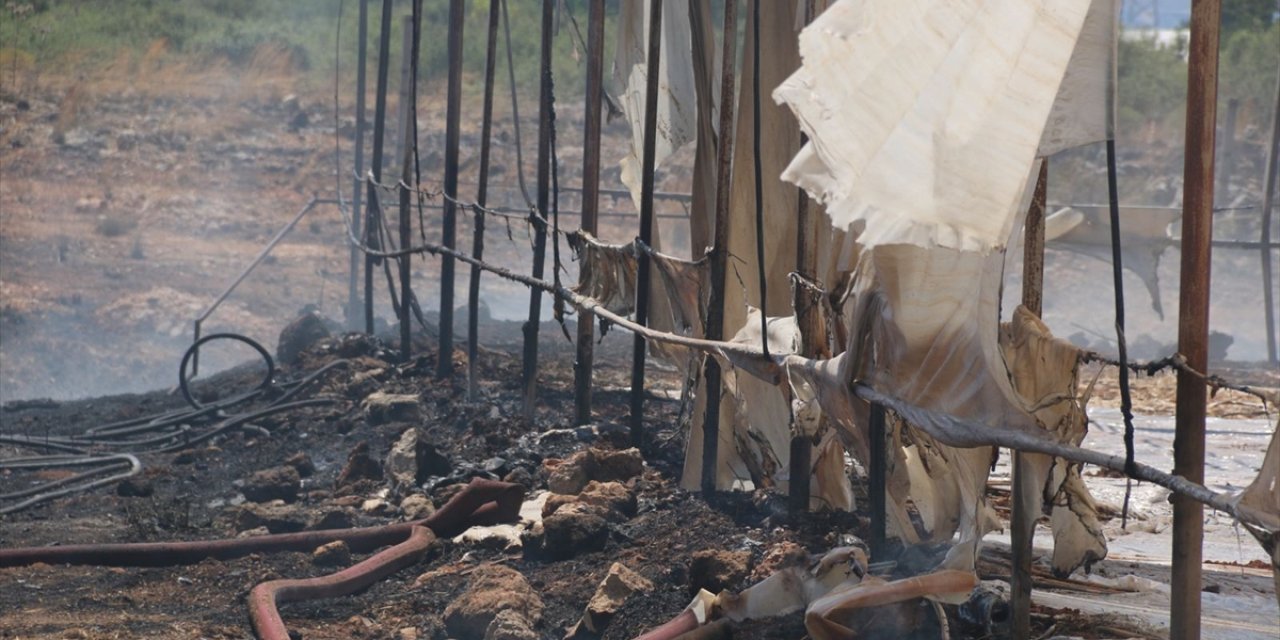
492, 590
503, 537
520, 476
279, 483
299, 335
360, 466
613, 496
610, 596
412, 460
302, 463
572, 475
716, 570
619, 465
407, 633
509, 625
568, 477
392, 407
496, 466
135, 487
334, 554
334, 519
555, 501
417, 507
253, 533
575, 528
376, 507
276, 518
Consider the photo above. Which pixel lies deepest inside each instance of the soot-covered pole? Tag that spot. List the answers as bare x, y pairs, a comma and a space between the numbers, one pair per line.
643, 275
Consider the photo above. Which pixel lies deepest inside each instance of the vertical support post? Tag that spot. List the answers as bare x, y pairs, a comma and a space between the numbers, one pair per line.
482, 198
538, 221
353, 274
810, 325
1022, 524
409, 114
720, 246
877, 488
647, 162
1193, 315
374, 214
583, 362
453, 115
1268, 206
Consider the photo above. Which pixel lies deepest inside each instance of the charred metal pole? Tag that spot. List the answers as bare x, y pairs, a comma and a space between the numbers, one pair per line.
353, 275
453, 115
1193, 315
538, 217
810, 325
1022, 525
373, 216
877, 488
647, 162
583, 362
409, 123
408, 94
720, 246
482, 196
1268, 204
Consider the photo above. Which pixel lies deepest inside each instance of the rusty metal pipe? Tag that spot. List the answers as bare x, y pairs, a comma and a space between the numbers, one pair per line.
643, 270
482, 196
481, 502
529, 356
449, 233
373, 214
720, 246
583, 362
1193, 315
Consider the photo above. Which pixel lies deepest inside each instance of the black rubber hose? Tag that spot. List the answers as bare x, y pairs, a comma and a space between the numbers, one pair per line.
186, 358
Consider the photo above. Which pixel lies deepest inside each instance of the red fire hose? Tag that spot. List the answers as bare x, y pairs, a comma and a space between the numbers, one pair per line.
264, 597
481, 502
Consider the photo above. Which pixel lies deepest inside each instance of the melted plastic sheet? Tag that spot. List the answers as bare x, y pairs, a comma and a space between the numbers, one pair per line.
1262, 500
676, 298
924, 118
677, 104
924, 122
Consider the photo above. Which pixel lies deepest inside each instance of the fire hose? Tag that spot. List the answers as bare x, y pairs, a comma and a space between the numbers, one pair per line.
481, 502
265, 597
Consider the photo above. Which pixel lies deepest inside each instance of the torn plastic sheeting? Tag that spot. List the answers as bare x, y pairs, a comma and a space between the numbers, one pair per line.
825, 617
677, 100
1044, 371
779, 141
607, 273
925, 118
1262, 499
828, 589
1084, 109
764, 419
932, 152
